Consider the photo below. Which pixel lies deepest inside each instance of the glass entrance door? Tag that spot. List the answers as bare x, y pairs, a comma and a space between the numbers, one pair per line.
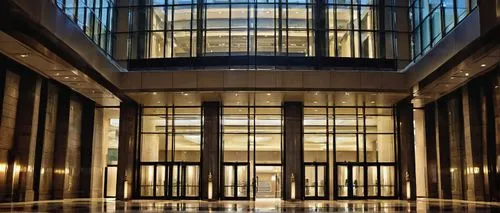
153, 179
350, 181
369, 180
184, 181
315, 184
110, 181
236, 181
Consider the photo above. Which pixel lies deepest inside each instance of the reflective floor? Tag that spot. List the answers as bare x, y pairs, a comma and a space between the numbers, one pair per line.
268, 205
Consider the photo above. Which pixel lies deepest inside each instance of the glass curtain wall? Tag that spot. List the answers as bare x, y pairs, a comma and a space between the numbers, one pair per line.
353, 28
361, 143
251, 137
431, 20
170, 152
94, 17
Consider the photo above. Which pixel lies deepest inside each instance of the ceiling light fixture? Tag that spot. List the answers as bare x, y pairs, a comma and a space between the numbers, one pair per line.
186, 94
483, 65
23, 55
267, 101
315, 102
466, 74
154, 93
268, 94
346, 93
372, 102
343, 102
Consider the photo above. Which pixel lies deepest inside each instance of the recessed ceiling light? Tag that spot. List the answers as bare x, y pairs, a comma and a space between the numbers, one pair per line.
268, 94
483, 65
66, 77
74, 78
235, 94
315, 102
374, 94
452, 78
158, 102
316, 93
238, 102
496, 87
268, 102
154, 93
93, 91
316, 110
57, 74
346, 93
466, 74
372, 102
24, 55
343, 102
186, 94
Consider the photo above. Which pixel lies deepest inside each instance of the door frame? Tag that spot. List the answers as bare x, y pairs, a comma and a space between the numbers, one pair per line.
235, 187
326, 187
254, 181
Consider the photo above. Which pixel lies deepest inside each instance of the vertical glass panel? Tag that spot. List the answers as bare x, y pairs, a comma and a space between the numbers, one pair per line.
153, 148
321, 181
310, 181
344, 44
229, 181
111, 176
217, 43
265, 42
358, 181
342, 181
268, 148
426, 34
372, 181
147, 180
239, 42
157, 21
242, 181
449, 14
344, 17
357, 44
298, 43
436, 26
182, 18
235, 147
387, 181
331, 44
217, 16
346, 147
161, 173
192, 180
239, 16
181, 43
157, 44
367, 45
297, 16
462, 9
187, 147
175, 181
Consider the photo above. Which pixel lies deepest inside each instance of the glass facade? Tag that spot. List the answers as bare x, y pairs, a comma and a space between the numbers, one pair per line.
360, 141
170, 152
302, 28
94, 17
431, 20
109, 138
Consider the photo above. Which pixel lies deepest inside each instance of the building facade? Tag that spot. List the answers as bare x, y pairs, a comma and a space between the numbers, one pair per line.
249, 99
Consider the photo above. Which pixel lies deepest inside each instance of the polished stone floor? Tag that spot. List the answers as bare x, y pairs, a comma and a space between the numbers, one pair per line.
109, 205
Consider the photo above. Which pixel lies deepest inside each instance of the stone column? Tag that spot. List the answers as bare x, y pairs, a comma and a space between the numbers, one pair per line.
86, 147
293, 150
211, 148
22, 155
9, 86
443, 150
431, 151
406, 150
473, 143
129, 113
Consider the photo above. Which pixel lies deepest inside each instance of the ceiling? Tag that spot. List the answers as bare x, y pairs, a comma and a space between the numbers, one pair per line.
271, 98
51, 66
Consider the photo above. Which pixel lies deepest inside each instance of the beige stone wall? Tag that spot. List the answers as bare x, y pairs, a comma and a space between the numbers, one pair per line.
71, 183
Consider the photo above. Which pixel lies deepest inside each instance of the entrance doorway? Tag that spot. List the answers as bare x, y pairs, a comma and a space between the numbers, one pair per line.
110, 175
184, 180
268, 181
315, 185
364, 180
235, 179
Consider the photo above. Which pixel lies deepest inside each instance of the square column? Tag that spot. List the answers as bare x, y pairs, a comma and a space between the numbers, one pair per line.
293, 155
407, 180
127, 138
210, 157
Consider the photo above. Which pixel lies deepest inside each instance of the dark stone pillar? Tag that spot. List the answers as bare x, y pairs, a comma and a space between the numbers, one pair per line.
61, 144
443, 150
293, 150
406, 150
22, 155
86, 147
473, 142
321, 36
430, 146
129, 113
211, 162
